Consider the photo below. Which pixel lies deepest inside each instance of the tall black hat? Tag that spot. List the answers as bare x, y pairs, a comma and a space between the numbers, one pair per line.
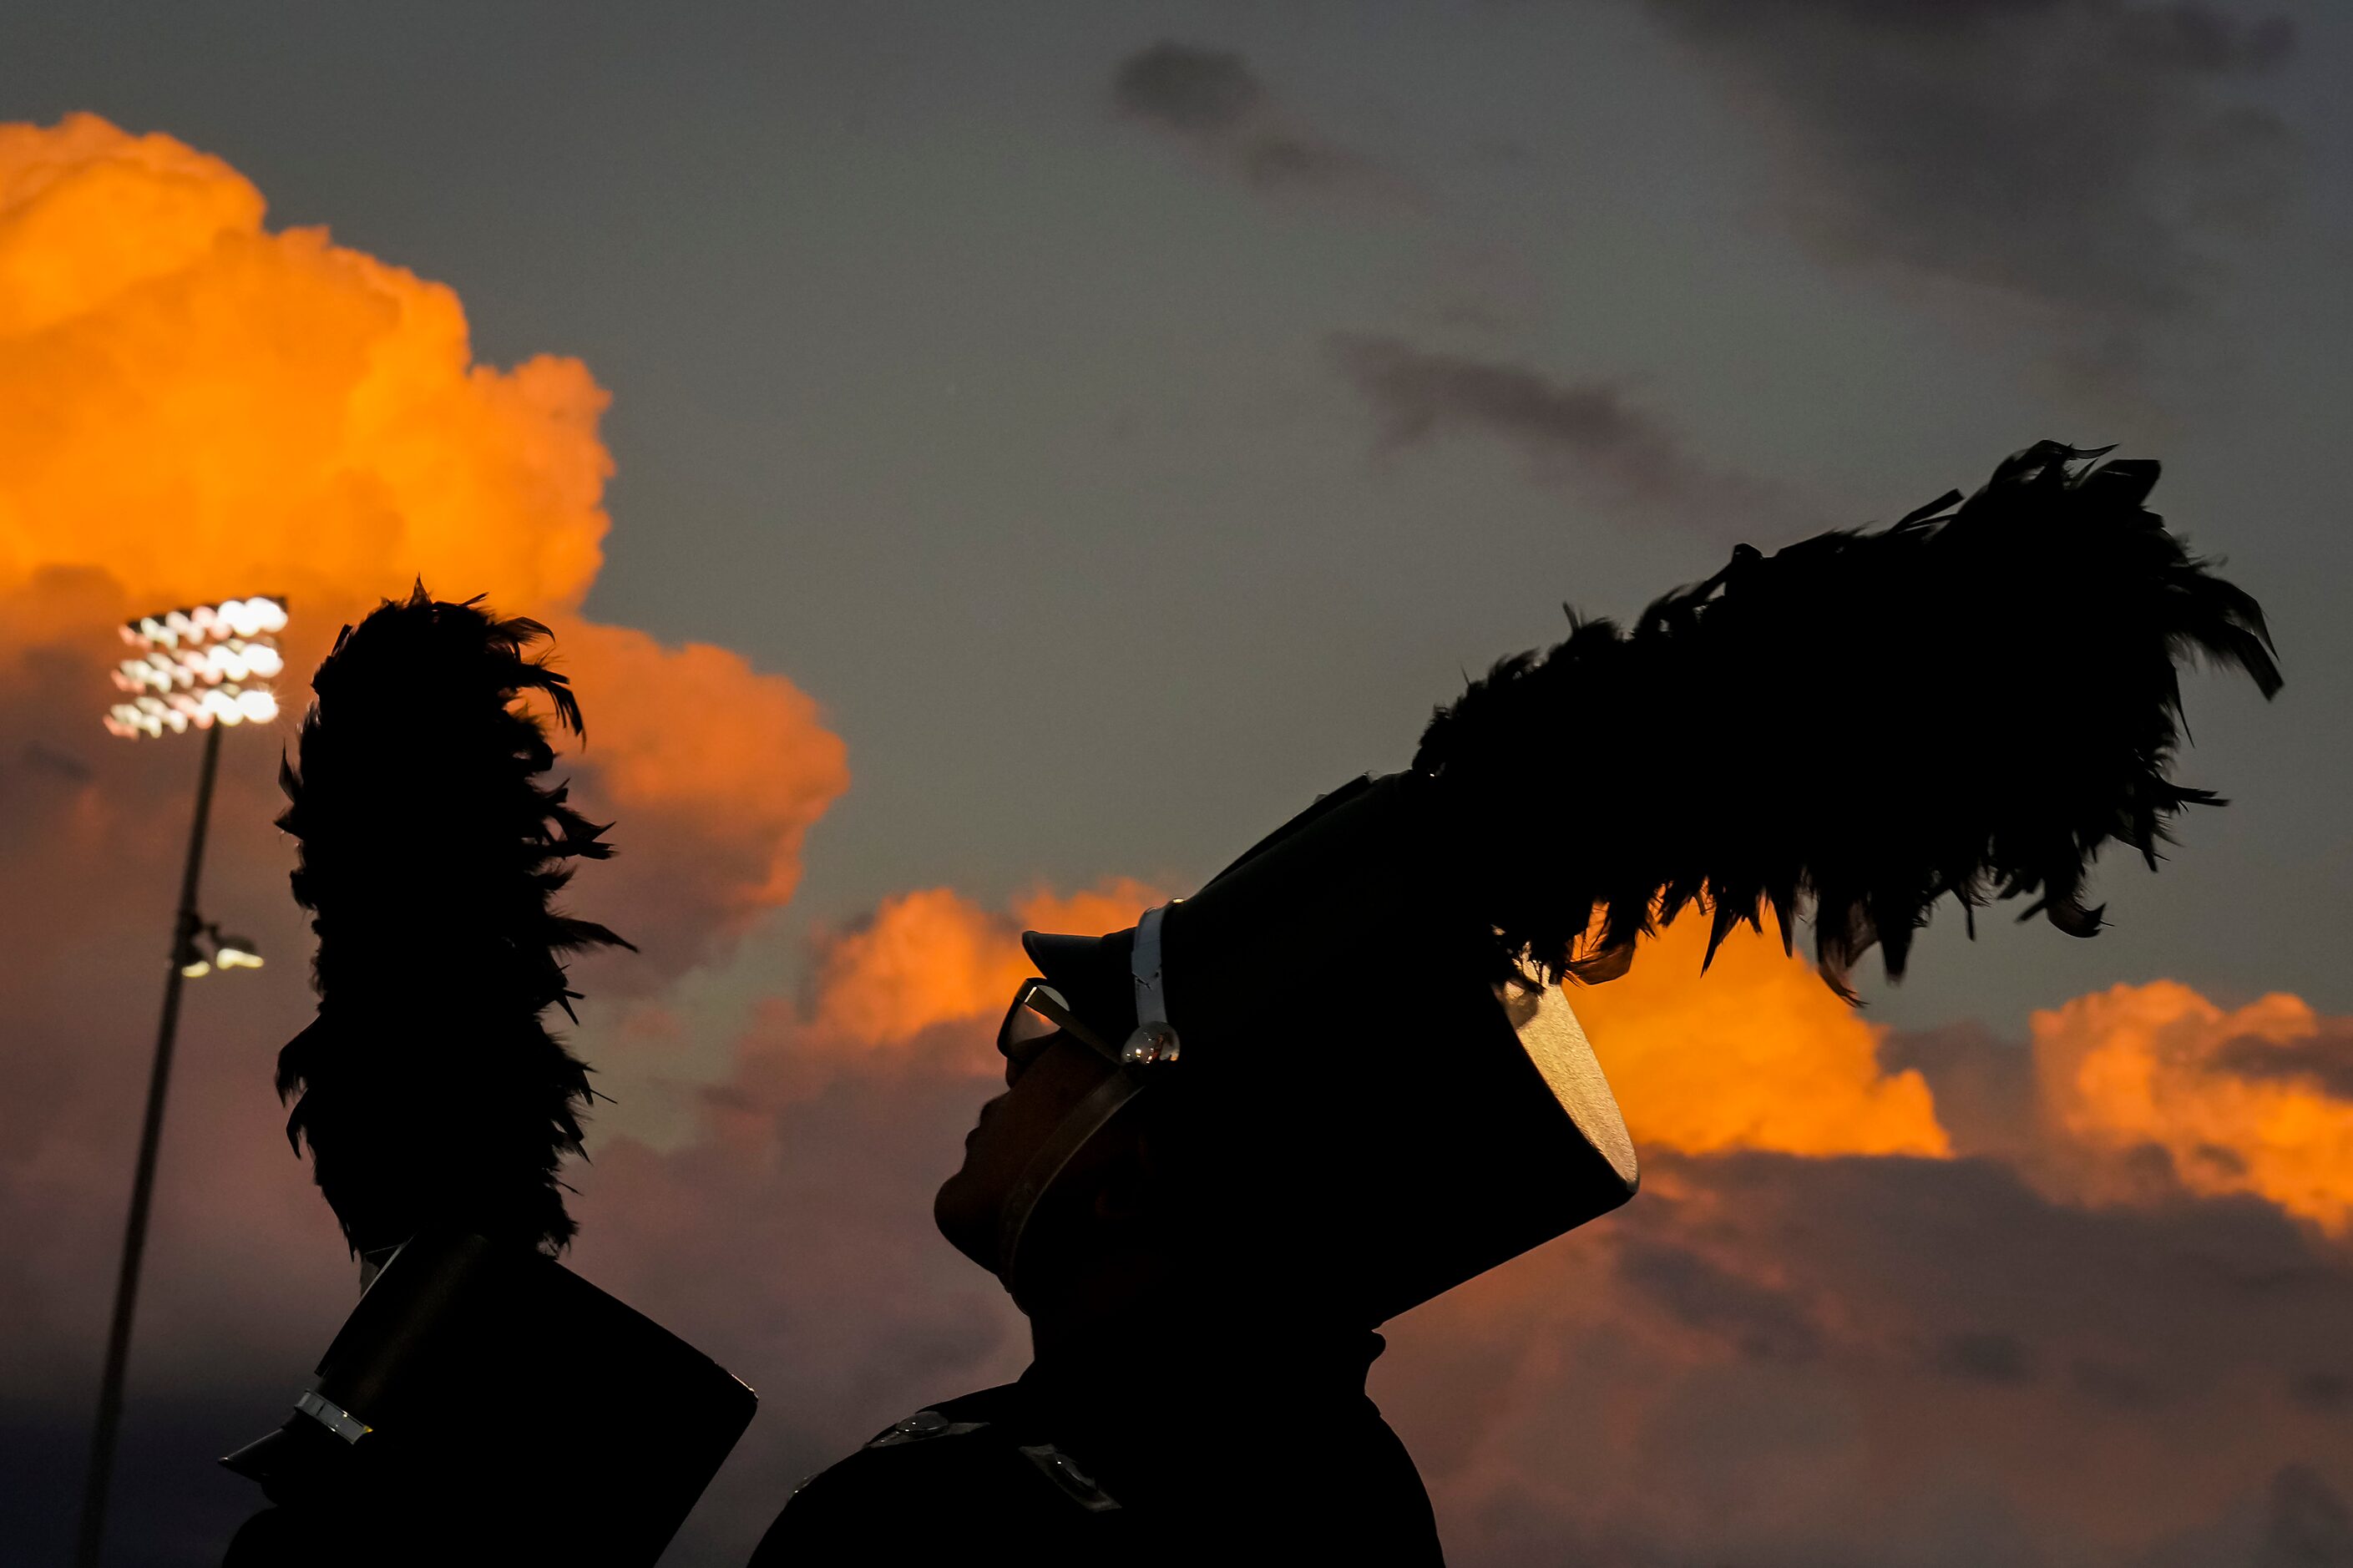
485, 1404
1366, 1011
1339, 1035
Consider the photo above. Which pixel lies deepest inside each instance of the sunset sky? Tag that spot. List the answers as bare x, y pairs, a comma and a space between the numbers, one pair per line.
984, 466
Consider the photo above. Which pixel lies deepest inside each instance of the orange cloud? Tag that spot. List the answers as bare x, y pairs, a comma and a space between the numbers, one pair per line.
1109, 906
2234, 1097
1756, 1054
716, 772
201, 409
927, 958
930, 957
192, 406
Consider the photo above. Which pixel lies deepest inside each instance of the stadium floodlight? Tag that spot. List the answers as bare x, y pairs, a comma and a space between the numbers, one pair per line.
197, 667
208, 667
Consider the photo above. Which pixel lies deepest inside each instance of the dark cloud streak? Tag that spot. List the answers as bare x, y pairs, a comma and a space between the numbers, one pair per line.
2072, 153
2323, 1059
1586, 433
1215, 102
1196, 91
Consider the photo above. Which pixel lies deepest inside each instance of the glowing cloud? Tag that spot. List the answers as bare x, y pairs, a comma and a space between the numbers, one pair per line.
926, 958
931, 957
200, 407
2251, 1100
1756, 1055
192, 406
1109, 906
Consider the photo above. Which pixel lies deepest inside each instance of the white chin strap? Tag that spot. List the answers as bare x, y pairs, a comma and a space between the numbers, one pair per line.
1153, 1041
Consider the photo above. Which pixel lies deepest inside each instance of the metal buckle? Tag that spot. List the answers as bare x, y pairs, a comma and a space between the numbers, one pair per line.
332, 1416
1154, 1040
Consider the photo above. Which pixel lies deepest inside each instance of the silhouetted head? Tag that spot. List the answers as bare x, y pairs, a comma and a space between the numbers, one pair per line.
1300, 1086
1104, 1232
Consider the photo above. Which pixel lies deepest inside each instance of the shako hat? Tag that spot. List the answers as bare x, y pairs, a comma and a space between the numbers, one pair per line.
1382, 1087
484, 1403
1341, 1040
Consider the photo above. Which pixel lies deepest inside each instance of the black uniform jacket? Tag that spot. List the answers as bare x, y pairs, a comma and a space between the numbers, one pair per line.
1117, 1470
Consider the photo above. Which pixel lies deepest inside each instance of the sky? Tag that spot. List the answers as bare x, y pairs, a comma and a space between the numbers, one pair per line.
983, 467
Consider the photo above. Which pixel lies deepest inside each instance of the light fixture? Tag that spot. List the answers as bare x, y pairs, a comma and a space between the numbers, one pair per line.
197, 667
205, 667
208, 949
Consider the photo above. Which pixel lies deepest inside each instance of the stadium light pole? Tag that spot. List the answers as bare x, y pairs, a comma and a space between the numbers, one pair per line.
205, 668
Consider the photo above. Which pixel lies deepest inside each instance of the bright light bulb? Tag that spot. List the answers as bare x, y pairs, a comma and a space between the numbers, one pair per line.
203, 666
197, 970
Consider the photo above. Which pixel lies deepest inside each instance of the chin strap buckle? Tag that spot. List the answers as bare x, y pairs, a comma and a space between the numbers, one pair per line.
1154, 1040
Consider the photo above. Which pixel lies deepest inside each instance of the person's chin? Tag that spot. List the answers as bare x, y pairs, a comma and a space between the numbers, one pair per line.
955, 1212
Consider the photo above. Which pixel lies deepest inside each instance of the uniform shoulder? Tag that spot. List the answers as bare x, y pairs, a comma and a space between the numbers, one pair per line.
920, 1483
951, 1419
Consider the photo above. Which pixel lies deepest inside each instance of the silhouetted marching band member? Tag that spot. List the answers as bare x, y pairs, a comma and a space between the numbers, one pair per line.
482, 1404
1343, 1076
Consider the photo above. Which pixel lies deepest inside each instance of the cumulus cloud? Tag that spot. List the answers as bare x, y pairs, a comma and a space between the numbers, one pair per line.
1779, 1360
931, 957
192, 406
1589, 434
1213, 101
715, 773
2074, 154
1757, 1054
2221, 1100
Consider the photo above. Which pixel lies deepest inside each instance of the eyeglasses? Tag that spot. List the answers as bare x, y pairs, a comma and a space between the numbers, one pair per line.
1038, 1010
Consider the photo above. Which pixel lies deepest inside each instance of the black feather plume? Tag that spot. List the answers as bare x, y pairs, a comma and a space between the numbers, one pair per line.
1970, 701
429, 1091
